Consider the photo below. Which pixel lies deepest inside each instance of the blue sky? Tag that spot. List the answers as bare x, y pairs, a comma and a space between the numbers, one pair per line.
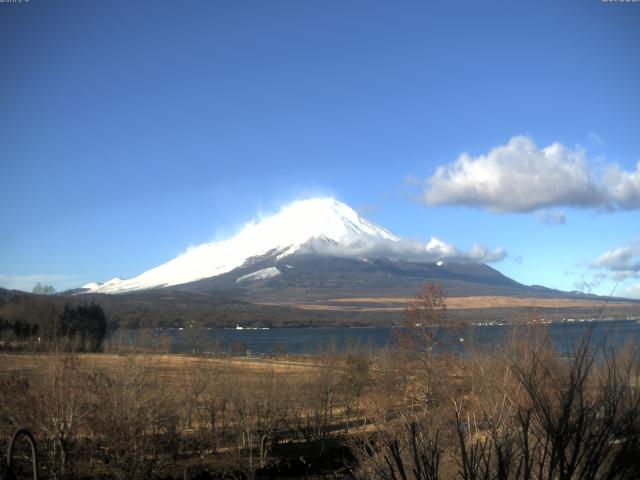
132, 130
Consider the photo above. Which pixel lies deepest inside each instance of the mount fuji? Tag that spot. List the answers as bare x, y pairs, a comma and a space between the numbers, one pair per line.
296, 227
318, 262
323, 230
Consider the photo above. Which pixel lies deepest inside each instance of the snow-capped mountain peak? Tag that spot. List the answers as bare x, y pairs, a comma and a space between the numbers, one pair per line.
294, 226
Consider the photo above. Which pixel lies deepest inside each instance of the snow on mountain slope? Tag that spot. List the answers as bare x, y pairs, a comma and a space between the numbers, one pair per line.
283, 233
260, 274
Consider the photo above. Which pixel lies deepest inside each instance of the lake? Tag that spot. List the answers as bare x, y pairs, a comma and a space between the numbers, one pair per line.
311, 340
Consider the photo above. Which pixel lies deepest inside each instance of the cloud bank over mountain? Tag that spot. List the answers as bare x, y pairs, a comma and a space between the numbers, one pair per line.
432, 251
522, 177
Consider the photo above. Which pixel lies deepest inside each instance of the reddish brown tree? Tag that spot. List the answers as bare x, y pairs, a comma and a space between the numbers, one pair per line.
423, 333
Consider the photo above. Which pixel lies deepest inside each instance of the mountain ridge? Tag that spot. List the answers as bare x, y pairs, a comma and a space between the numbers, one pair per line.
315, 251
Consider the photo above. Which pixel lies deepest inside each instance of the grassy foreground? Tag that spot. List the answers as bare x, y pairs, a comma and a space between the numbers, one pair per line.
519, 412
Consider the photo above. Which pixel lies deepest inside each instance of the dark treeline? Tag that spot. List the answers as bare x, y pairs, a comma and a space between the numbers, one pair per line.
20, 330
80, 328
83, 327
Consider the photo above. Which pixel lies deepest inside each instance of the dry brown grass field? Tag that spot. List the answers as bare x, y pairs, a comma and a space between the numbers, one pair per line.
222, 414
170, 366
358, 414
390, 304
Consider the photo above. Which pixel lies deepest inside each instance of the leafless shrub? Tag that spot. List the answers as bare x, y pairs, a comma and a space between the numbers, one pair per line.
259, 413
134, 422
354, 378
408, 450
213, 401
577, 419
61, 408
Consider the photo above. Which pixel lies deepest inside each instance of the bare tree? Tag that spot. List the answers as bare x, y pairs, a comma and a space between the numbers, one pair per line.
260, 412
422, 335
133, 419
323, 391
63, 407
354, 377
192, 387
216, 379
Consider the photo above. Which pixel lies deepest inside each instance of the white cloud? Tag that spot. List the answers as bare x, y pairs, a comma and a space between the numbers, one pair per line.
621, 263
617, 269
521, 177
623, 187
480, 254
436, 249
622, 266
433, 251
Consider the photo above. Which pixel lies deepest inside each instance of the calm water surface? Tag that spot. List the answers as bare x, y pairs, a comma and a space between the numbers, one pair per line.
311, 340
